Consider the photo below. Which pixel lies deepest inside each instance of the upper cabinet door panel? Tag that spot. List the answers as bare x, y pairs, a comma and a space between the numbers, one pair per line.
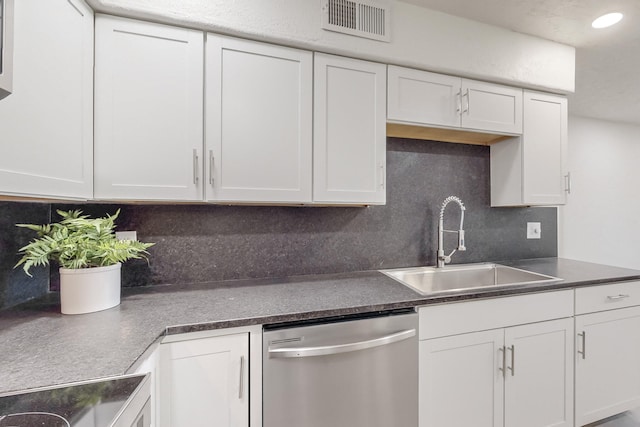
423, 98
349, 131
47, 122
6, 47
491, 107
258, 122
148, 109
545, 136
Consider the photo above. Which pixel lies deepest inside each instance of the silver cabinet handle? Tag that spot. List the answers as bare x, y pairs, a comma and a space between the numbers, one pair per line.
459, 101
286, 352
567, 187
466, 108
211, 167
512, 368
617, 297
382, 175
583, 334
241, 387
195, 166
502, 368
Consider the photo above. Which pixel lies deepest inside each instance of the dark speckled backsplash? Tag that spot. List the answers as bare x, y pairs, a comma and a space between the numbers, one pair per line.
15, 285
197, 243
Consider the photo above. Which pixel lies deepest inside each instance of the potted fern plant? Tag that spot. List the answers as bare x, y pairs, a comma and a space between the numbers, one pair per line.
89, 255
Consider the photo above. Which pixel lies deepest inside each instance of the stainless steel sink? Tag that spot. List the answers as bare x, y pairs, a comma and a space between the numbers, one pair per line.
460, 278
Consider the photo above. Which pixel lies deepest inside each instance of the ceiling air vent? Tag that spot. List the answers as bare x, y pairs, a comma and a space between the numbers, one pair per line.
363, 18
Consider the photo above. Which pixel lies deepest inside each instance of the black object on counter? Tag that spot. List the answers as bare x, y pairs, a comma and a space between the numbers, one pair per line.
93, 404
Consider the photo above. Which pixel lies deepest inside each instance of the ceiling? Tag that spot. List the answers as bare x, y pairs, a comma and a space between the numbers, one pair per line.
607, 60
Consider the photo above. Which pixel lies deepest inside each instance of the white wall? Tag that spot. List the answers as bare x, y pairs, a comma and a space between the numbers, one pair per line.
421, 38
601, 221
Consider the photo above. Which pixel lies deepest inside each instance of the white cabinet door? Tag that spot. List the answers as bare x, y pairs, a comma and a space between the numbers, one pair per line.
258, 122
544, 142
491, 107
349, 147
204, 382
148, 111
607, 367
539, 375
530, 170
461, 382
421, 97
47, 122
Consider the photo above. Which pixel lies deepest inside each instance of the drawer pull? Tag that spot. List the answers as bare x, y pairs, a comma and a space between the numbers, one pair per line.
502, 368
512, 368
195, 167
584, 345
241, 386
617, 297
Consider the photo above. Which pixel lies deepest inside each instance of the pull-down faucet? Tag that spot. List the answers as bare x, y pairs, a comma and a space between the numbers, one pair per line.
442, 258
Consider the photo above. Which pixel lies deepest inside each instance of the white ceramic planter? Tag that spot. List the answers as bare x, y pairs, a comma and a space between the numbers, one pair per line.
86, 290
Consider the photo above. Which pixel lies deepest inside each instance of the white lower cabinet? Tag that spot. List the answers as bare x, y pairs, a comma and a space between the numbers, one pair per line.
204, 382
607, 352
460, 384
149, 363
539, 375
511, 376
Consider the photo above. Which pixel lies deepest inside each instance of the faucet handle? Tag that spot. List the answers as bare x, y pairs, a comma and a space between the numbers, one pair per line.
461, 246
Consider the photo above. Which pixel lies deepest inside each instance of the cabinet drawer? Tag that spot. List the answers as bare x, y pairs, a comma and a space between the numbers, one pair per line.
458, 318
607, 297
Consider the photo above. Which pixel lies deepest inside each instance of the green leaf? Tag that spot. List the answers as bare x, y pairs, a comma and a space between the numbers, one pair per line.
78, 241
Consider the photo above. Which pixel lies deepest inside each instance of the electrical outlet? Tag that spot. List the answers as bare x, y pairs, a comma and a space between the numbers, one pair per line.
126, 235
534, 230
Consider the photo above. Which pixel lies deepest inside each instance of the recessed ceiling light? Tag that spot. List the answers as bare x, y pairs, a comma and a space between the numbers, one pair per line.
607, 20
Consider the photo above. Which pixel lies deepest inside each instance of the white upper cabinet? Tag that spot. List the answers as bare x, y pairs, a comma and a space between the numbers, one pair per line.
491, 107
349, 145
530, 170
148, 111
6, 47
47, 122
544, 144
423, 98
430, 99
258, 122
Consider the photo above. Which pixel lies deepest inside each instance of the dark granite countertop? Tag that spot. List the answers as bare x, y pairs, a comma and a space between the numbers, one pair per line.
42, 347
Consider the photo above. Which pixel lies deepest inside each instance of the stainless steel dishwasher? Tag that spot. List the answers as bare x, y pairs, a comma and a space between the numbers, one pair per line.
343, 372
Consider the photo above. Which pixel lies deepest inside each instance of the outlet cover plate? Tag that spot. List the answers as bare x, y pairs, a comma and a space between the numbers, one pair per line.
126, 235
534, 230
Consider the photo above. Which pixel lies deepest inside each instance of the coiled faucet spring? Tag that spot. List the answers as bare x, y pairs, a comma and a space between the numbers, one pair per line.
442, 258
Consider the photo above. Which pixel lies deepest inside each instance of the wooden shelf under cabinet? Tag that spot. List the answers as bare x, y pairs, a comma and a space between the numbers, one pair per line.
445, 135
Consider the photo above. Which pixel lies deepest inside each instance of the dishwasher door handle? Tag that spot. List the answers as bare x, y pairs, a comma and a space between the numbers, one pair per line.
288, 352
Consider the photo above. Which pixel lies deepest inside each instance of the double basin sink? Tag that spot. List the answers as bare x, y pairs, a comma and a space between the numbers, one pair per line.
463, 278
